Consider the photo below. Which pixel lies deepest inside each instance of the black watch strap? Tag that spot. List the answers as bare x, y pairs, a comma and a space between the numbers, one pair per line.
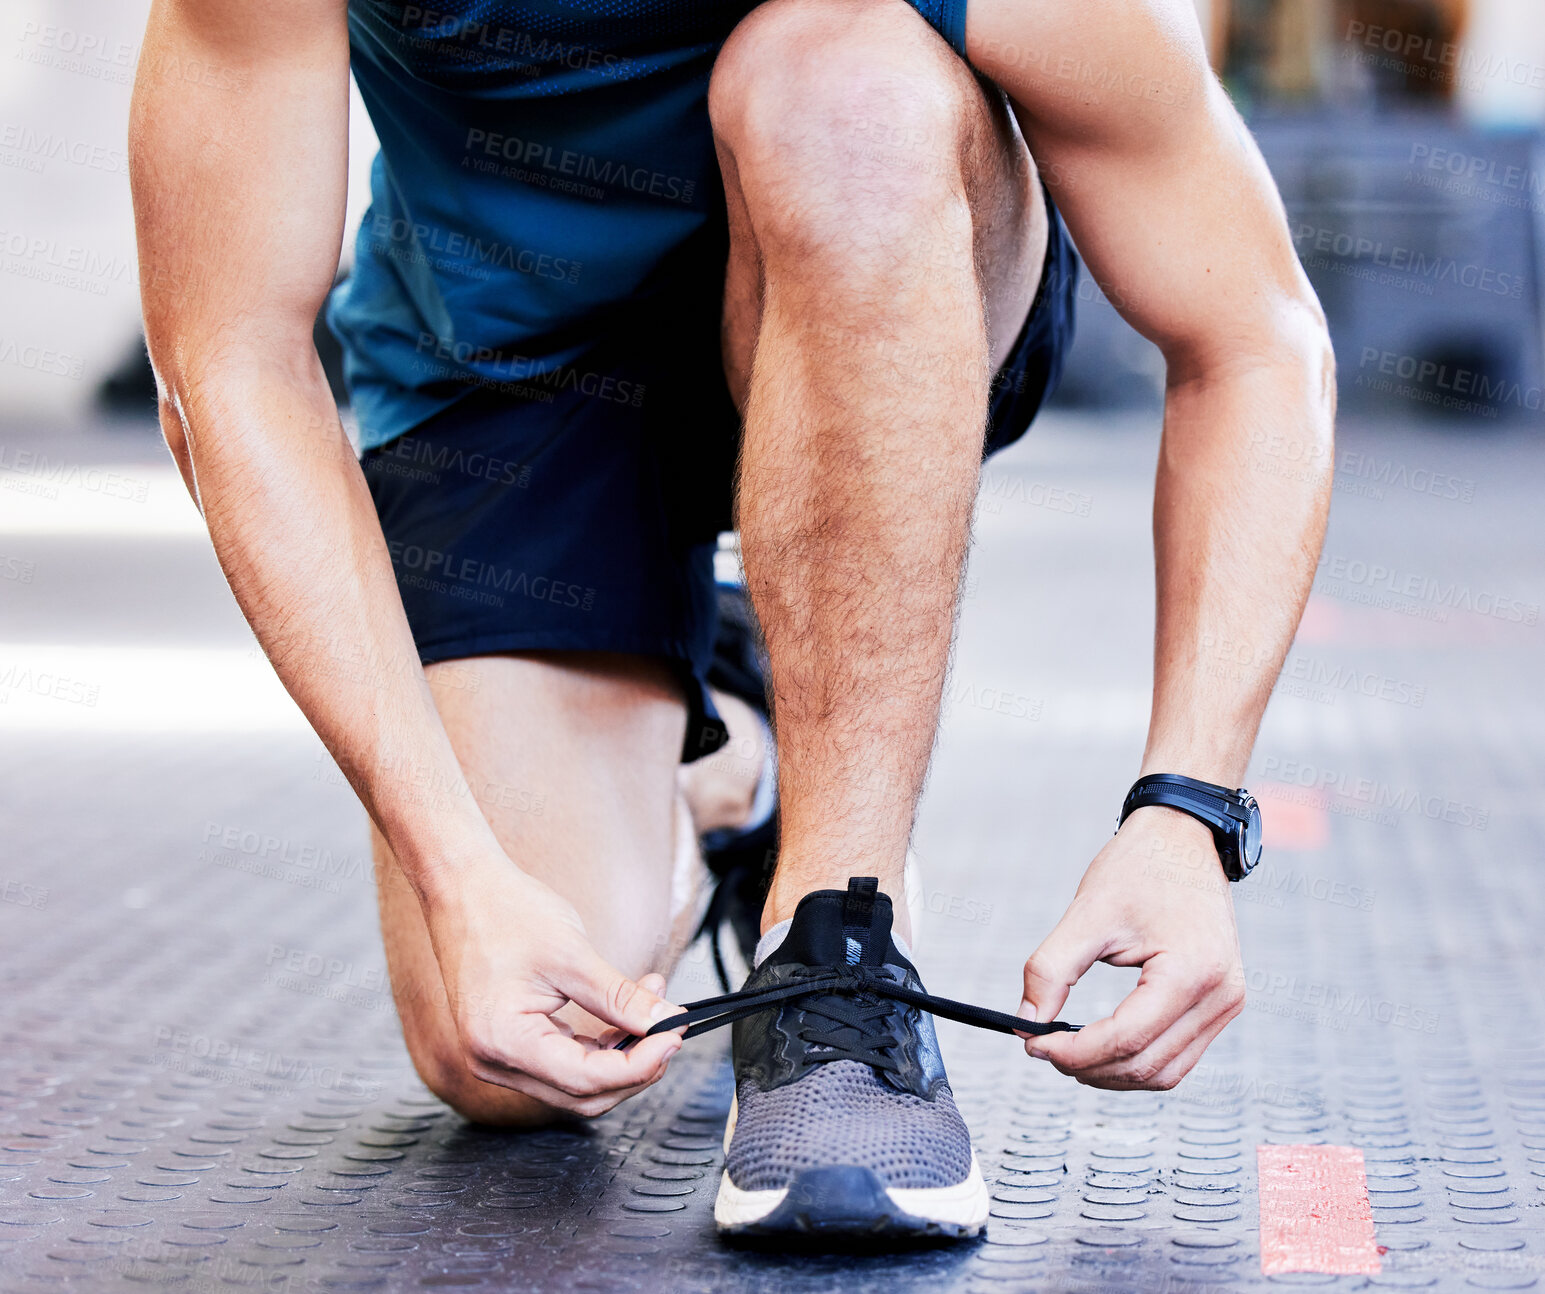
1222, 810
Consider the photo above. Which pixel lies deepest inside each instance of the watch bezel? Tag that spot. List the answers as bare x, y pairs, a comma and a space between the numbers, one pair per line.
1251, 824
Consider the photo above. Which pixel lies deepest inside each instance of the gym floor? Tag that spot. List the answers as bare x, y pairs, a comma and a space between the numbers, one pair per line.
201, 1080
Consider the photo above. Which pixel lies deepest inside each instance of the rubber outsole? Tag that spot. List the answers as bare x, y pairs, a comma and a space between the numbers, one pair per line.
845, 1203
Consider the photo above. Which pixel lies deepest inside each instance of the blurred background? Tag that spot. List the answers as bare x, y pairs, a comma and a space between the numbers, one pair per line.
186, 920
1405, 136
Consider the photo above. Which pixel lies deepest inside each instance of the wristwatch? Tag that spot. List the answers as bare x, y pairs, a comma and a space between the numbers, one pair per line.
1234, 816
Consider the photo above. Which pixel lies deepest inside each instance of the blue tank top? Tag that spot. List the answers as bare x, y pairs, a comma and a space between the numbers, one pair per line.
543, 163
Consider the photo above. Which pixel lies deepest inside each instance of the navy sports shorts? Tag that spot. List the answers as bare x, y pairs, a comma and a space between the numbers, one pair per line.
579, 511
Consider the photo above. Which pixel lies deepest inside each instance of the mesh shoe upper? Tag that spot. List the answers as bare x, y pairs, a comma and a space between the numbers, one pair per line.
842, 1113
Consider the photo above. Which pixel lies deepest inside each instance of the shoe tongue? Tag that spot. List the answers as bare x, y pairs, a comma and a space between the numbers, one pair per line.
835, 928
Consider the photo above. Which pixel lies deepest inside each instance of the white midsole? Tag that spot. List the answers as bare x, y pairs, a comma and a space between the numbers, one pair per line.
963, 1204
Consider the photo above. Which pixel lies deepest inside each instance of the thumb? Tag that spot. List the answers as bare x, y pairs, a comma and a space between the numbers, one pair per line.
1059, 963
609, 995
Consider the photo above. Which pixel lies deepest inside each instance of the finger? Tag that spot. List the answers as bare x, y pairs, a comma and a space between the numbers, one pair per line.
612, 997
1073, 946
1164, 994
533, 1044
1171, 1057
1183, 1064
651, 983
1146, 1074
1165, 1048
582, 1067
1145, 1069
587, 1107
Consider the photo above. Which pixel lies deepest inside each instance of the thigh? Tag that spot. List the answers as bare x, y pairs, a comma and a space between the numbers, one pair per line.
983, 140
573, 759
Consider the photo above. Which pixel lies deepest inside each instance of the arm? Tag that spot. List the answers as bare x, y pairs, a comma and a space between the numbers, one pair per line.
239, 197
1180, 223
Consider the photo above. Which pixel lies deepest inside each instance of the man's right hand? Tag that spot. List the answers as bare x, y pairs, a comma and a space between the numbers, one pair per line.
513, 954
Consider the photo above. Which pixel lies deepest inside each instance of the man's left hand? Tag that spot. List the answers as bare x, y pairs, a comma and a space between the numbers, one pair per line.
1154, 897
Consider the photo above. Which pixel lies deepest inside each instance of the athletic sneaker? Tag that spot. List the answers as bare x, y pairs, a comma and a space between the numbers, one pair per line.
843, 1123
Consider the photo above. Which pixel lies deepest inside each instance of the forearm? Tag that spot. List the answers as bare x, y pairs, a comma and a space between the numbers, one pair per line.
239, 211
297, 536
1240, 504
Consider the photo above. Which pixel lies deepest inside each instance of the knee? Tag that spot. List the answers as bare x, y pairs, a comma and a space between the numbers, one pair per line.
450, 1079
843, 127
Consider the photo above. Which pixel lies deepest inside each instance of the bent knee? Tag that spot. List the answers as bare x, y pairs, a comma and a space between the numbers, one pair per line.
449, 1078
871, 62
814, 103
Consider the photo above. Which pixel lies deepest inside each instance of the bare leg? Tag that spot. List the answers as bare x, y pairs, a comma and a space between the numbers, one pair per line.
886, 240
573, 759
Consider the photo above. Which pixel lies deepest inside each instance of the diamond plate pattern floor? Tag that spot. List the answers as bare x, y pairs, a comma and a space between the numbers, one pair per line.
202, 1086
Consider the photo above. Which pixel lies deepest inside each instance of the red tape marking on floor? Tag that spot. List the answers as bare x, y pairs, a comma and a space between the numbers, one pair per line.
1314, 1211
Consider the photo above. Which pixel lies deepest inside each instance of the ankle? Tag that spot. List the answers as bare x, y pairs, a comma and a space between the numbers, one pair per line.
789, 887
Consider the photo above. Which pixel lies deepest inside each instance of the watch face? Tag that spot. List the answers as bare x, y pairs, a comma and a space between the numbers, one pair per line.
1250, 835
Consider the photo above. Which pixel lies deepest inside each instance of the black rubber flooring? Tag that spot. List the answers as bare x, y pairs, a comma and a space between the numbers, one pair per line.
202, 1086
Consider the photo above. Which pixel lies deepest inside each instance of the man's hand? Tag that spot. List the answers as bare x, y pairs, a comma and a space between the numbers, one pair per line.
513, 954
1154, 897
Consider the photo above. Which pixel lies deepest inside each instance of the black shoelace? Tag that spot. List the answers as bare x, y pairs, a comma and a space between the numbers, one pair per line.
872, 990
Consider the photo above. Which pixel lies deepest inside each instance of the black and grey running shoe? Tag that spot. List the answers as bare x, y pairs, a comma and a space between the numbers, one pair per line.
844, 1125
